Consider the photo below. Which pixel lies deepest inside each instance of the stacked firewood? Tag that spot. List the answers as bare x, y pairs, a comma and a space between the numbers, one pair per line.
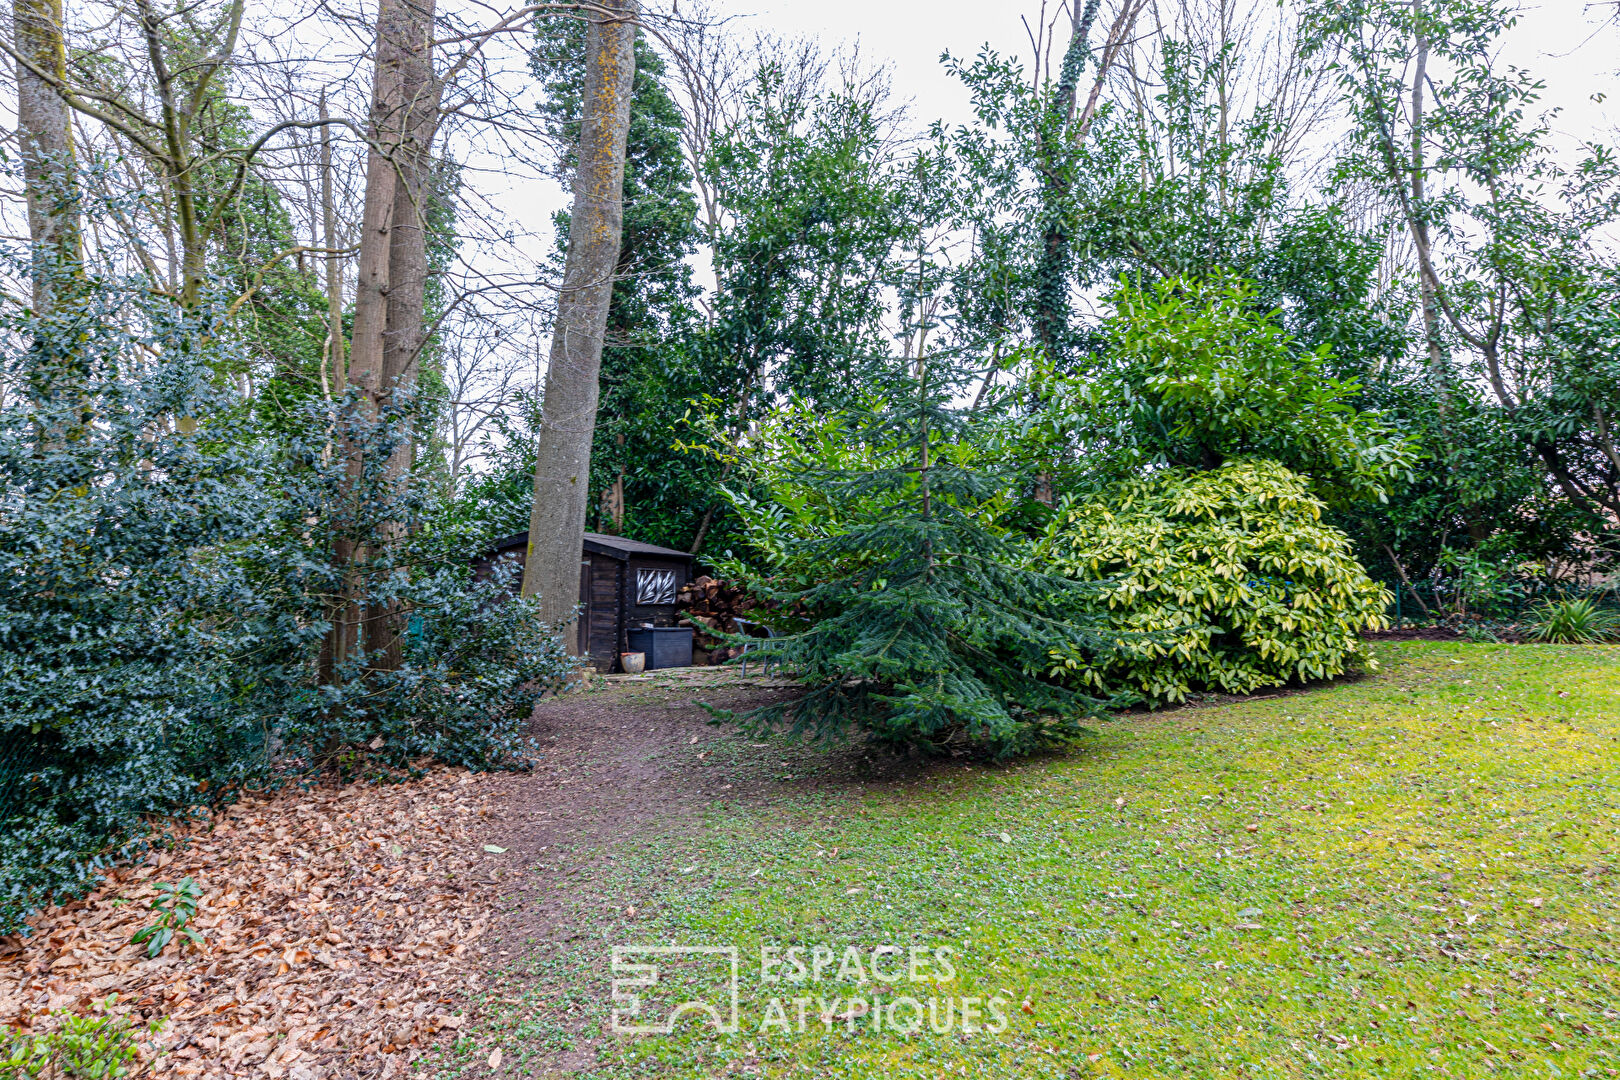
708, 605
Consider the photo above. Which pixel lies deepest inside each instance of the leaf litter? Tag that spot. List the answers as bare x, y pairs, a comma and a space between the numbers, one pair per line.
340, 925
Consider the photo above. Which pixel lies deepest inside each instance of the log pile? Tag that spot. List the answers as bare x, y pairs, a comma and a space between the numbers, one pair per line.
707, 605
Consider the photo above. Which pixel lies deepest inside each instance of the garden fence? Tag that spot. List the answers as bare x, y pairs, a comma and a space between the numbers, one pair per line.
1508, 602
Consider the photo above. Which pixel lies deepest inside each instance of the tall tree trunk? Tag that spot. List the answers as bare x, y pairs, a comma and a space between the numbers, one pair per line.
50, 182
407, 270
336, 354
182, 88
384, 134
45, 141
1428, 291
568, 413
413, 190
377, 216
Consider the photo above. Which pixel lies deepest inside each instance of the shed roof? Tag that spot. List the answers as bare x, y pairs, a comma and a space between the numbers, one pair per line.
619, 547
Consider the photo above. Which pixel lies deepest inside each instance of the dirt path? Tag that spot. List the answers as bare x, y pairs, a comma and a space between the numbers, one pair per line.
618, 762
593, 842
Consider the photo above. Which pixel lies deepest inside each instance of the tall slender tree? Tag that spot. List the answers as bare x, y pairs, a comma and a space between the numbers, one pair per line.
649, 371
388, 313
568, 411
50, 181
335, 352
45, 138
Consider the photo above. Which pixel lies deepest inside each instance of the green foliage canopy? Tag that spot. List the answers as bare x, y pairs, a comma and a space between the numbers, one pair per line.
924, 630
1195, 375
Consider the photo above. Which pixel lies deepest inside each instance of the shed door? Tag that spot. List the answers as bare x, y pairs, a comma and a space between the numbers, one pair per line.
603, 640
582, 625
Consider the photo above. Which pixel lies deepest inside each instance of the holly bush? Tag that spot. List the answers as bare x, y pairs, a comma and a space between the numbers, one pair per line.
1223, 580
165, 589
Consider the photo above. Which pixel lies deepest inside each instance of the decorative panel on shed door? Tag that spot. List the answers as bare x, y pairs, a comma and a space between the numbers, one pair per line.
655, 585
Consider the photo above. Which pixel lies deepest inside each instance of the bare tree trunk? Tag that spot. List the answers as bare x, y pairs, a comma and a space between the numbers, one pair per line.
1118, 33
407, 237
371, 306
335, 353
568, 413
1420, 216
377, 215
45, 139
50, 182
407, 268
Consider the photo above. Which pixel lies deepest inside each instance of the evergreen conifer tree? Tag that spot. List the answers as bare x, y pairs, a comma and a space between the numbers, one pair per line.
929, 631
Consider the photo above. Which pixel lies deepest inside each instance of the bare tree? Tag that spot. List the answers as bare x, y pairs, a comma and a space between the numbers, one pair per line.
334, 357
408, 232
388, 311
568, 417
488, 365
45, 138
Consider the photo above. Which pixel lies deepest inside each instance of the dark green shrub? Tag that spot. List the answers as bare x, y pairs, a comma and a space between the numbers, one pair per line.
120, 691
83, 1048
165, 589
476, 660
1222, 580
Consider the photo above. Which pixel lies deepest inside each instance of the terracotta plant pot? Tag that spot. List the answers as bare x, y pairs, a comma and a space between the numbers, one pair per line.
634, 663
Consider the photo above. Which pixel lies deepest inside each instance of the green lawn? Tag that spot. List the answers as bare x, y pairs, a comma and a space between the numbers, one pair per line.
1410, 874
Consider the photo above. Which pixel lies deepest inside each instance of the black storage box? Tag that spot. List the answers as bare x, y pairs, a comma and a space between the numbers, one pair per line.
665, 646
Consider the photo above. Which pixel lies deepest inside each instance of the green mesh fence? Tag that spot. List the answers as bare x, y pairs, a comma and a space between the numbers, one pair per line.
1425, 600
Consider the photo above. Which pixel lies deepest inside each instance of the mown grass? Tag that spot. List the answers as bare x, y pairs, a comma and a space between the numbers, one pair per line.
1409, 874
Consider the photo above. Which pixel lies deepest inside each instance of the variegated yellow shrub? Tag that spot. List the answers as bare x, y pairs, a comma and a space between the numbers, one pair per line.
1222, 580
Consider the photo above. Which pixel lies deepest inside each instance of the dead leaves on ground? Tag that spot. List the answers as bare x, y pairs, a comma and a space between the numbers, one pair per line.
340, 922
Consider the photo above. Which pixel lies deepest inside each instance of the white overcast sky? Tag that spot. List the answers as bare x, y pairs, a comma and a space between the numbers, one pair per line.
1573, 45
1560, 39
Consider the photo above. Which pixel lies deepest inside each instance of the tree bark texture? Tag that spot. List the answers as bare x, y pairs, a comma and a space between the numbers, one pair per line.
391, 276
50, 183
45, 142
377, 213
408, 233
336, 353
1420, 216
568, 414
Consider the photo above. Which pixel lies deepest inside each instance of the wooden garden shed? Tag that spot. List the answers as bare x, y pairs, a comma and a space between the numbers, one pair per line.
623, 584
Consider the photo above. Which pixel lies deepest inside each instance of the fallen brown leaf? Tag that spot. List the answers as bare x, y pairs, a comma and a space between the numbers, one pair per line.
337, 920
